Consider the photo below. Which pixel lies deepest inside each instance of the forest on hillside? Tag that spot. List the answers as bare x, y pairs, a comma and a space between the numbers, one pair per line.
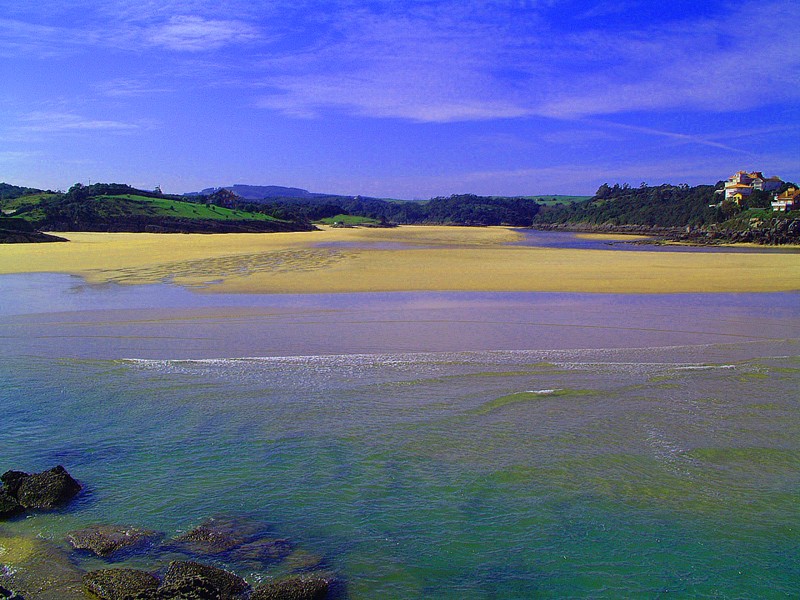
660, 206
461, 209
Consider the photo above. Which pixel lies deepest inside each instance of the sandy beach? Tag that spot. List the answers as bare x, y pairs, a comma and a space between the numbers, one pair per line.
400, 259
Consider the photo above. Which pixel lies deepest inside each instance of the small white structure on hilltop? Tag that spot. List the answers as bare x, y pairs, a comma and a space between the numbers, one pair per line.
742, 184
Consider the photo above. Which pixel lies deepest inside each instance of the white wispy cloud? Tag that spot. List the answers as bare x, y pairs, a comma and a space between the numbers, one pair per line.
60, 122
443, 61
195, 34
413, 65
19, 38
129, 87
122, 26
700, 67
439, 67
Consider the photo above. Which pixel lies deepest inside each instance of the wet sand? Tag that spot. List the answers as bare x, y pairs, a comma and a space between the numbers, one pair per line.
359, 260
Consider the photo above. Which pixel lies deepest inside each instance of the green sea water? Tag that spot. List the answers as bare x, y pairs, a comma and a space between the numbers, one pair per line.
618, 470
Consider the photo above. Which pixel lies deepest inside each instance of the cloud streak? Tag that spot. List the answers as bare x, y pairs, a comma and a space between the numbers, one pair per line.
177, 33
443, 68
62, 122
452, 61
196, 34
129, 88
19, 38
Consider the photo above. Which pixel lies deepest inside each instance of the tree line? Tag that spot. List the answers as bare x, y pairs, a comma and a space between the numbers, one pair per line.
460, 209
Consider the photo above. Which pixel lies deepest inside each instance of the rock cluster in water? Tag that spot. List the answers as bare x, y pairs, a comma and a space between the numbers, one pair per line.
217, 538
47, 490
37, 569
105, 540
188, 580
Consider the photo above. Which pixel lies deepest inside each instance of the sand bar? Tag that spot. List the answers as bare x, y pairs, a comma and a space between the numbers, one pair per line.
364, 260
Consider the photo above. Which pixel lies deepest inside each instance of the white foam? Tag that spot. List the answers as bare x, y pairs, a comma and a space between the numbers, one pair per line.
704, 367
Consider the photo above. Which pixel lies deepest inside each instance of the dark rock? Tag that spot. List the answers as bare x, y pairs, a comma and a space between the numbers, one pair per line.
226, 584
12, 480
296, 587
11, 236
7, 594
190, 588
48, 489
105, 540
9, 506
217, 535
263, 551
119, 584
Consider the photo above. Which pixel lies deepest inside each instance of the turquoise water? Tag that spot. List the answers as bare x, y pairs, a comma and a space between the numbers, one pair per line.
617, 447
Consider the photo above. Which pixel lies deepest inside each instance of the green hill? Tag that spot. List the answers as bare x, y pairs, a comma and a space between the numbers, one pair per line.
132, 204
117, 207
9, 192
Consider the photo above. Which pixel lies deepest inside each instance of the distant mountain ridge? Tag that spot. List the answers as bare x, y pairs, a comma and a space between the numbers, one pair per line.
260, 192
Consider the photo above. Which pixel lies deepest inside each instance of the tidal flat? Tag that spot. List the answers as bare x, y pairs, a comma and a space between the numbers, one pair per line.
416, 443
398, 259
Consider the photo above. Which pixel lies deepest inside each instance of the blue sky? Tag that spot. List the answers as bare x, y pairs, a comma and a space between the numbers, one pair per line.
398, 99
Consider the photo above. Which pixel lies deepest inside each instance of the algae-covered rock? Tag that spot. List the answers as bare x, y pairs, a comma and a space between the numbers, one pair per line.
263, 551
45, 490
119, 584
189, 588
12, 480
302, 560
9, 506
38, 570
227, 584
217, 535
105, 540
295, 587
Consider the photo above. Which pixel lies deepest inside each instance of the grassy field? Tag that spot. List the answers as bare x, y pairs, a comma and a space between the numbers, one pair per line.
12, 206
348, 220
443, 258
185, 210
130, 205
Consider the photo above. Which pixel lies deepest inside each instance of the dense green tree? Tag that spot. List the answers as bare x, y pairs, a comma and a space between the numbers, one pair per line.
660, 206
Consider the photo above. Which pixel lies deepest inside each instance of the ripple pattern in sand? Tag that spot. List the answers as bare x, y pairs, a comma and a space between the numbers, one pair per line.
202, 272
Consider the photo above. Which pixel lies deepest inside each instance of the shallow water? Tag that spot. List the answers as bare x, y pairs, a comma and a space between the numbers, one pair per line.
427, 445
568, 239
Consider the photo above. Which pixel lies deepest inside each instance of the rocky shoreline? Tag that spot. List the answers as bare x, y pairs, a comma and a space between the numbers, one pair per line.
198, 564
16, 236
765, 232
